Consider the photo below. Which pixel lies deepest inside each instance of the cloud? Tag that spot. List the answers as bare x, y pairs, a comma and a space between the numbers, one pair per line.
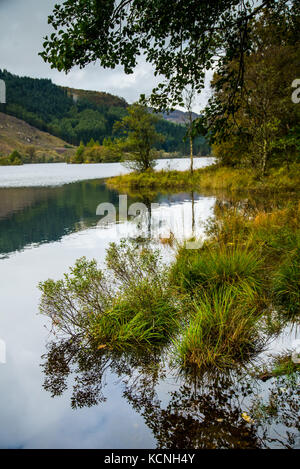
23, 27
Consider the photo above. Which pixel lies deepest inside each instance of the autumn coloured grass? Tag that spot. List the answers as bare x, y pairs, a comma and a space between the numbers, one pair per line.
213, 178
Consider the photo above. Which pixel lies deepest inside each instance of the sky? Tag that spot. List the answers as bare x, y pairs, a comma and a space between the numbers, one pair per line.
23, 25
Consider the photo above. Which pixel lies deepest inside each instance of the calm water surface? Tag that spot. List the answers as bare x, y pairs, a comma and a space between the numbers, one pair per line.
48, 220
37, 175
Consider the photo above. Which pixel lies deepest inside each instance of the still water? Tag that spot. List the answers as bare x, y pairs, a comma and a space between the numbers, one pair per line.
36, 175
89, 401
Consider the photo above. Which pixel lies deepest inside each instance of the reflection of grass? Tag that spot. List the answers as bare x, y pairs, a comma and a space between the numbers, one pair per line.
284, 366
212, 178
280, 365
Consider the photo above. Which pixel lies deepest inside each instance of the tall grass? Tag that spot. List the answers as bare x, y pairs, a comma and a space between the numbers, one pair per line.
128, 304
286, 284
214, 267
222, 332
134, 322
213, 177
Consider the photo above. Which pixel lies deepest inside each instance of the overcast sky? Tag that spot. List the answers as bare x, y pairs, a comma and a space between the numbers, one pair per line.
23, 24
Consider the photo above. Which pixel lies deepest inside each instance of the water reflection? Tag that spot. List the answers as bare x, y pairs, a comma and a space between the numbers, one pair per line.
38, 215
182, 412
32, 216
158, 406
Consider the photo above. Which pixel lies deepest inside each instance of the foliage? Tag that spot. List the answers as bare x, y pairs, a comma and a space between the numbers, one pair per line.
130, 304
180, 50
140, 136
263, 132
14, 159
93, 152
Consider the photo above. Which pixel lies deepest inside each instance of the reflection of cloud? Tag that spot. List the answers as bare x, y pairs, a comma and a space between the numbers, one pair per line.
29, 417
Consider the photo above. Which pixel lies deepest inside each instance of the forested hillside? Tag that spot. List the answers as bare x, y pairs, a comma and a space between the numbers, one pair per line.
79, 116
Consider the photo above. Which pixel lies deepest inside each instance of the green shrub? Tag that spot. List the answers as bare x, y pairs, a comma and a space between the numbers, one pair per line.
127, 304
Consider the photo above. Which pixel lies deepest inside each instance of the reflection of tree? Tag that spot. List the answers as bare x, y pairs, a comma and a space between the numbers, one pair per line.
193, 213
208, 416
202, 412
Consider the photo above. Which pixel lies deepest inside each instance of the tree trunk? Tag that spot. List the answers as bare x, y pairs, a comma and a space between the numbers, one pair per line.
191, 155
264, 161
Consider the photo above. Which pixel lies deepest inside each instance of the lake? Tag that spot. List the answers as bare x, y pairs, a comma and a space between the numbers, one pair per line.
47, 220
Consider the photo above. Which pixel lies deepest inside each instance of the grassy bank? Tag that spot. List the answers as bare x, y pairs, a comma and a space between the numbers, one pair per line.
212, 178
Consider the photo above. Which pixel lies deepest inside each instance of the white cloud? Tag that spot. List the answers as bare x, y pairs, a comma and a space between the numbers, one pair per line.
23, 26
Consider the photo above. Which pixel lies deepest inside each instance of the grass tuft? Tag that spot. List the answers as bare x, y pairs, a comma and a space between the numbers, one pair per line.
286, 284
222, 332
216, 267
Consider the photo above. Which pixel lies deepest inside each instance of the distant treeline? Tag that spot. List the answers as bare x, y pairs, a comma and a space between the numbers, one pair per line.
80, 117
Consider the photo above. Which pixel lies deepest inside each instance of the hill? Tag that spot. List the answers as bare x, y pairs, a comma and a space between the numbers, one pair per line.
97, 98
15, 134
77, 116
178, 117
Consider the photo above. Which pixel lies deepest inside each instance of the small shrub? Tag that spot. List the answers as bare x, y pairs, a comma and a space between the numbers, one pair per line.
127, 304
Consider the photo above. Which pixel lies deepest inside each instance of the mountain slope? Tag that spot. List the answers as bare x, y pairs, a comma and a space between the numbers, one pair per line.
77, 116
98, 98
178, 117
16, 134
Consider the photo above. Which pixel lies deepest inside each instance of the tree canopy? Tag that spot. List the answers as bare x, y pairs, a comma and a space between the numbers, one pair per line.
139, 138
181, 42
265, 129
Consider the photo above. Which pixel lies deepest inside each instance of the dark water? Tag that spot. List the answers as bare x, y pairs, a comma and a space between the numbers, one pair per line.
79, 399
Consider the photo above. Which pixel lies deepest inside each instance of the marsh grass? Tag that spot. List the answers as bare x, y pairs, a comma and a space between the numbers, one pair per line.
214, 267
128, 304
217, 305
213, 177
247, 267
222, 331
286, 284
142, 316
